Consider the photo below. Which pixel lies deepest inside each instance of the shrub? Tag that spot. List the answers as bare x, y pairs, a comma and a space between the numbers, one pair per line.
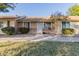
23, 30
68, 31
8, 30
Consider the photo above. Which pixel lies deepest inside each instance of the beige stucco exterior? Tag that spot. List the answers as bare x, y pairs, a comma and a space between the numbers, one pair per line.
33, 27
12, 24
75, 26
4, 20
56, 27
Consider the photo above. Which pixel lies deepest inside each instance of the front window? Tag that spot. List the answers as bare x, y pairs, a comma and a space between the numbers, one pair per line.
65, 24
47, 25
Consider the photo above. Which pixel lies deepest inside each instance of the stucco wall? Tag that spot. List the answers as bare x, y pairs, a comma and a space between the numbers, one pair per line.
12, 23
4, 24
75, 25
59, 29
33, 27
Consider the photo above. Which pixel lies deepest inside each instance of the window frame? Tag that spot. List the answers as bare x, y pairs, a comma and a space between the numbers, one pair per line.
65, 24
47, 25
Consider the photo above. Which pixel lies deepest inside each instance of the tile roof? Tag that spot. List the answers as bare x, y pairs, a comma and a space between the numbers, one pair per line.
73, 18
7, 17
37, 19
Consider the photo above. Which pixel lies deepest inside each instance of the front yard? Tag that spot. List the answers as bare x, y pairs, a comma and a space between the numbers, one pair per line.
42, 48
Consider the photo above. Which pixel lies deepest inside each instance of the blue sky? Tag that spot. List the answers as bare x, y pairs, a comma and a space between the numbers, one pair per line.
38, 9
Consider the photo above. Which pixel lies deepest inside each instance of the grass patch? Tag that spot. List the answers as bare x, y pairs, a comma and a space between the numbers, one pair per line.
42, 48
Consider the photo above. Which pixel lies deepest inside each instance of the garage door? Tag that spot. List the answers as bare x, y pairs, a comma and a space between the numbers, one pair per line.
40, 27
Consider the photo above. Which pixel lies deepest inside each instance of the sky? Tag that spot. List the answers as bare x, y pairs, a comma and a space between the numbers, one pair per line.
38, 9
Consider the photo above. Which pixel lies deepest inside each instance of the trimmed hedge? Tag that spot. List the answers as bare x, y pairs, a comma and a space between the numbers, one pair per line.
8, 30
23, 30
68, 31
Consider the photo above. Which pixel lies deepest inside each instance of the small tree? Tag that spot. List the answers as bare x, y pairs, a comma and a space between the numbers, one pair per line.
4, 7
73, 10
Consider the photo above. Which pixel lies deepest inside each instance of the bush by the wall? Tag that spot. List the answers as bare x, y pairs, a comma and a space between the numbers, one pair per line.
8, 30
23, 30
68, 31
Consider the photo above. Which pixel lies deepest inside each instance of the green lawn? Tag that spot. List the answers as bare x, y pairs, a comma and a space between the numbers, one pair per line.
44, 48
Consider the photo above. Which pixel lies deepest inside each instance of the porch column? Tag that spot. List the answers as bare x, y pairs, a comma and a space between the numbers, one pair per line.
8, 23
16, 27
43, 24
51, 26
43, 28
28, 25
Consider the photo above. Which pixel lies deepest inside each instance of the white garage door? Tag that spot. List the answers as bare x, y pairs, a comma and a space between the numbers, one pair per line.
40, 27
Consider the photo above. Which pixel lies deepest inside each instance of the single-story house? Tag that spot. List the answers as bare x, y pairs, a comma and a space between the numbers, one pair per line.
40, 24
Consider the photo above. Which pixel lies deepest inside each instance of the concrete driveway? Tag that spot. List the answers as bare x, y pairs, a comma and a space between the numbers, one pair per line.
60, 38
41, 37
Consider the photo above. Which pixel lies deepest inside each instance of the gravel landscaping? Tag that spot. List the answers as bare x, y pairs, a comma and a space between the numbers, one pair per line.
39, 45
40, 48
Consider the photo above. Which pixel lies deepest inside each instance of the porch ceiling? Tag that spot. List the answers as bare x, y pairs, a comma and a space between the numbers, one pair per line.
12, 18
35, 20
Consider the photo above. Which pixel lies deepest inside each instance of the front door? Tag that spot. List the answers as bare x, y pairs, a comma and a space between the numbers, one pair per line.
40, 27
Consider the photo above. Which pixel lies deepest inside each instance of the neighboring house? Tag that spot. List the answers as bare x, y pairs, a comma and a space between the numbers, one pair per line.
40, 24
